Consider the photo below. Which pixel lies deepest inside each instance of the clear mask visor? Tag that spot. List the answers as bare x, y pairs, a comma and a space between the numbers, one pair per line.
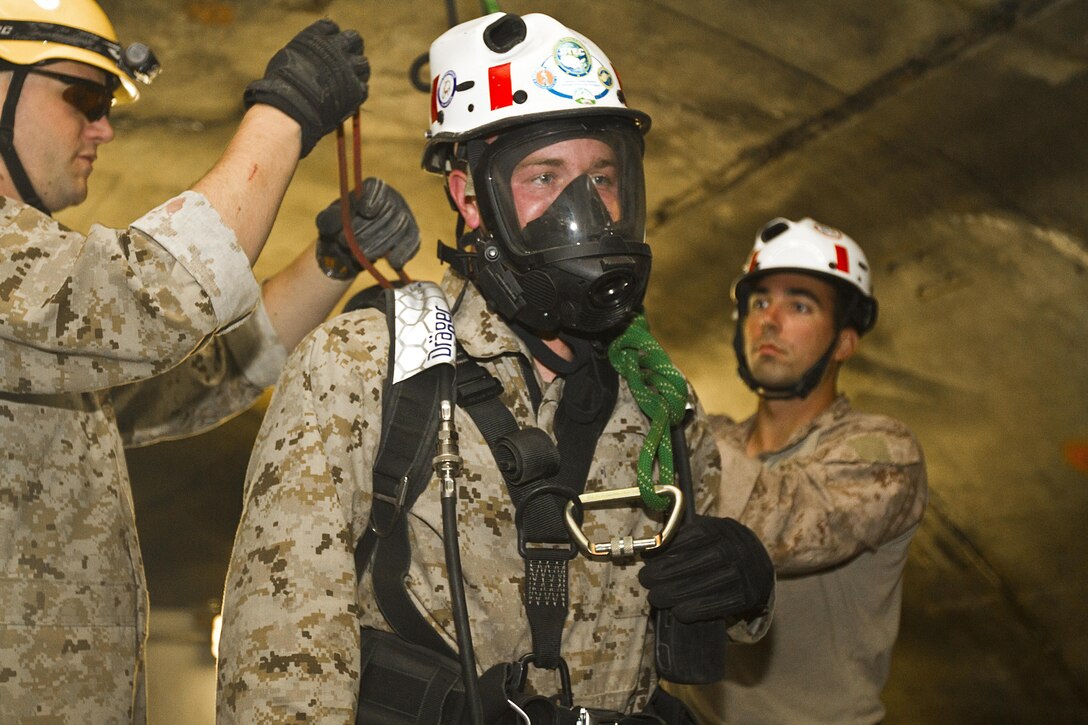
579, 185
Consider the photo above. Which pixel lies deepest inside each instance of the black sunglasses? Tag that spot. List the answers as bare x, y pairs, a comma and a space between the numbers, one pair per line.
93, 100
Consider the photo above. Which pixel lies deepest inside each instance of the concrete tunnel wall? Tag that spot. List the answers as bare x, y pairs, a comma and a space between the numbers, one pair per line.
947, 137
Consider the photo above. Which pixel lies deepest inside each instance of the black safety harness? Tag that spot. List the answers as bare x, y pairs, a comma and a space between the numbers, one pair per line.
541, 477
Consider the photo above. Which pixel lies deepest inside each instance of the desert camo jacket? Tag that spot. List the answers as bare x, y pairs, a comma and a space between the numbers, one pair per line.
83, 318
837, 507
292, 611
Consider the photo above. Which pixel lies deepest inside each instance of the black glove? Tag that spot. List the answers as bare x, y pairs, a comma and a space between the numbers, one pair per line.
318, 79
383, 225
714, 568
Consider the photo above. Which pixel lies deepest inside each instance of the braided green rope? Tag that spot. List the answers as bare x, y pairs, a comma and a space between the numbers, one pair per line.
662, 394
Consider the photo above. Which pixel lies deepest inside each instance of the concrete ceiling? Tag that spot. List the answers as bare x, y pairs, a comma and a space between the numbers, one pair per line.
947, 136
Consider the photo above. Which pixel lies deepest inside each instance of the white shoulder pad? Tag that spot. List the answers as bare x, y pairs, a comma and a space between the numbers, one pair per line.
422, 330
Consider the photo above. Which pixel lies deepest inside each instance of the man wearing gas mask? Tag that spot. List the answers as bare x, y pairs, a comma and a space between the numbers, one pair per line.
543, 163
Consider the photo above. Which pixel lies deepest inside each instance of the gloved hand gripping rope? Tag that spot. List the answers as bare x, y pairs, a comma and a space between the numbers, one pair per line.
661, 393
370, 207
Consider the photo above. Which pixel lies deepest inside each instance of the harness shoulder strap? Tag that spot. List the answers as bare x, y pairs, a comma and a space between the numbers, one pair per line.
402, 470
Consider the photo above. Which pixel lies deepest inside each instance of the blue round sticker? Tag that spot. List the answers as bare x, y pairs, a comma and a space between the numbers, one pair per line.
572, 57
447, 86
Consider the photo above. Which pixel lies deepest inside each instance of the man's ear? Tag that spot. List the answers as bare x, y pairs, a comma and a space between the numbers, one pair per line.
457, 182
847, 345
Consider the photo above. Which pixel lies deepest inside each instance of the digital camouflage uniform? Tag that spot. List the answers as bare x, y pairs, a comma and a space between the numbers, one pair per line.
290, 642
82, 316
837, 507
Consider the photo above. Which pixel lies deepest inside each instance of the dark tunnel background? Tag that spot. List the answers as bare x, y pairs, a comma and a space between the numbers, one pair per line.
946, 136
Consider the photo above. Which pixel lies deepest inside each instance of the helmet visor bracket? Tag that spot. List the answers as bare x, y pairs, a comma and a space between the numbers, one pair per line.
136, 61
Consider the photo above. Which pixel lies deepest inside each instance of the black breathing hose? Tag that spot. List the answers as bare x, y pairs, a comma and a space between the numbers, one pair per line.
447, 465
465, 652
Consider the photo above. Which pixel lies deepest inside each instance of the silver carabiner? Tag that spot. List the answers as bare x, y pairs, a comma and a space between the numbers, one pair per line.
624, 546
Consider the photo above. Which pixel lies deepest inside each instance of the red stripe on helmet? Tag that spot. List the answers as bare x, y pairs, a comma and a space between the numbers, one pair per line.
434, 99
498, 80
842, 259
754, 263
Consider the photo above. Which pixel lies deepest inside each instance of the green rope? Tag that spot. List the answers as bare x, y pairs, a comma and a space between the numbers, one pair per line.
662, 394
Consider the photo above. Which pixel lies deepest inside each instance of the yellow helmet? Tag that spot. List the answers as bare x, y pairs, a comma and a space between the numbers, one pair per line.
39, 31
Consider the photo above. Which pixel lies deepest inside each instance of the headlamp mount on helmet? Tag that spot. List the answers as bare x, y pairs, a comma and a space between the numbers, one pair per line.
137, 60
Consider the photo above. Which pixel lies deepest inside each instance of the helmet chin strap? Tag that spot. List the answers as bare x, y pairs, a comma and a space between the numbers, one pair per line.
7, 144
805, 385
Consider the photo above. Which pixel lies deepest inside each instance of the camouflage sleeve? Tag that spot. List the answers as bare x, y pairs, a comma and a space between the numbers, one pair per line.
864, 484
218, 381
706, 472
706, 468
290, 641
80, 313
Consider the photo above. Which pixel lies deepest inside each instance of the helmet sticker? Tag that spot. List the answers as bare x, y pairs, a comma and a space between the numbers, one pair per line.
447, 86
753, 263
568, 73
544, 78
572, 57
827, 231
842, 259
498, 82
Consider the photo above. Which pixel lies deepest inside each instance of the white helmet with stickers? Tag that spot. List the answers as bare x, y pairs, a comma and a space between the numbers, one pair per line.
806, 247
507, 91
503, 70
810, 247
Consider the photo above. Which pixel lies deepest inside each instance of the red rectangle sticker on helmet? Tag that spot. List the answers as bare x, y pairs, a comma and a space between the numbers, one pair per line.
434, 99
842, 259
498, 79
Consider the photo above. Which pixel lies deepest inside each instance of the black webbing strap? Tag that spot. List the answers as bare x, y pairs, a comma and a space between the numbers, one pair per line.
40, 32
402, 470
546, 598
588, 398
7, 144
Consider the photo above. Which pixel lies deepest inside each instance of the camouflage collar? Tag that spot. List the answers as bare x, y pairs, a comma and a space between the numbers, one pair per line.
838, 408
481, 332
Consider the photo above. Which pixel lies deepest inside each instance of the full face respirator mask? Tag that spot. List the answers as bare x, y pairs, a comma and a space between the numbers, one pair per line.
561, 244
